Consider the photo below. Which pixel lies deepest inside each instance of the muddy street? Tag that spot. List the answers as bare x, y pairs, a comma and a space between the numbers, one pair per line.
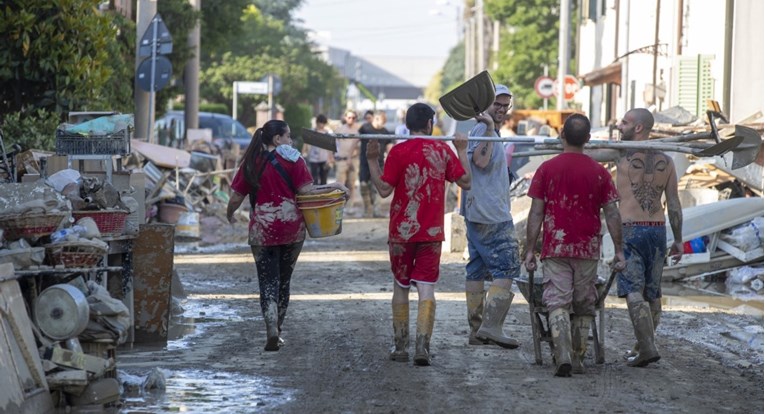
338, 332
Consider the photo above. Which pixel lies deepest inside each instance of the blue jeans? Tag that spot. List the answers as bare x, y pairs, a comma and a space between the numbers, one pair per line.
493, 251
645, 248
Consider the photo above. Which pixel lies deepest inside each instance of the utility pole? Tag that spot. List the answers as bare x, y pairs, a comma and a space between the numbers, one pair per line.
480, 37
563, 51
145, 11
191, 76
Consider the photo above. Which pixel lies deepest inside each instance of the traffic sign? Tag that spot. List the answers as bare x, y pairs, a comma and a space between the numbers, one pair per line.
545, 87
570, 87
258, 88
163, 39
163, 71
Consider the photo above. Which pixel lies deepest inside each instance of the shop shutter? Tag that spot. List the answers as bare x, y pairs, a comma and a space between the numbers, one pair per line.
694, 85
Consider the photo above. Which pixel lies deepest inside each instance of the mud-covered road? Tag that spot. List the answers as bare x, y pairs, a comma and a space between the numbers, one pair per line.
338, 332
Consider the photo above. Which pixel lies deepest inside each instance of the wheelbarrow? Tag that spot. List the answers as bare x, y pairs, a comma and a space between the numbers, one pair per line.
540, 322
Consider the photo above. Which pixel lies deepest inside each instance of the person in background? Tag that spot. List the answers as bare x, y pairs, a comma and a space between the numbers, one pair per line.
367, 189
416, 228
319, 159
272, 174
347, 156
492, 244
568, 192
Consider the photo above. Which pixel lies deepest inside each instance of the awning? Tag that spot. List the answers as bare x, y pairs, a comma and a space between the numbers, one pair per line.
609, 74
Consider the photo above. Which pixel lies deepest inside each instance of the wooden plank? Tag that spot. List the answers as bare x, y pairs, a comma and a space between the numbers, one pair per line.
23, 387
153, 271
162, 156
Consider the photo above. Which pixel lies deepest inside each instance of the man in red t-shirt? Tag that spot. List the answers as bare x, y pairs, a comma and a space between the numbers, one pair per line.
568, 193
415, 172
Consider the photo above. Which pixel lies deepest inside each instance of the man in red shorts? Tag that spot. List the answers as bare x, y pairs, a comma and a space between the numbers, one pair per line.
567, 194
415, 172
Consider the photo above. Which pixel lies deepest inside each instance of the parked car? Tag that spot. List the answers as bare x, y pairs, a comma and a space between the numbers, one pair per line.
169, 129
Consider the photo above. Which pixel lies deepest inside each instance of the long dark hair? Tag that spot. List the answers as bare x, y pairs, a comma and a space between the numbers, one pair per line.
261, 139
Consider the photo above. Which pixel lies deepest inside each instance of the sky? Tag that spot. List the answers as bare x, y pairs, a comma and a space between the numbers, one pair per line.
424, 28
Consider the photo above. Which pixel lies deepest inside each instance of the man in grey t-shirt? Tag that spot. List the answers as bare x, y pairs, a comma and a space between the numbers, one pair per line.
491, 238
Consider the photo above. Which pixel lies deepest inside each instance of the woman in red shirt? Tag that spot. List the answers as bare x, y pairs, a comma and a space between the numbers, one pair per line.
272, 173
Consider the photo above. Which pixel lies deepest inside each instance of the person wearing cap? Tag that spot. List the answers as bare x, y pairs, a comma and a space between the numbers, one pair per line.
415, 172
568, 192
492, 245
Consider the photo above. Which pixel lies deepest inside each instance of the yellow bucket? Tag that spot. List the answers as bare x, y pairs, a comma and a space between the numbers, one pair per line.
323, 213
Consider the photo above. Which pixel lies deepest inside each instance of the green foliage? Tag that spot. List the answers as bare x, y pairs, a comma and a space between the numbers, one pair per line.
529, 40
180, 18
454, 68
54, 54
298, 116
269, 45
217, 108
117, 93
31, 130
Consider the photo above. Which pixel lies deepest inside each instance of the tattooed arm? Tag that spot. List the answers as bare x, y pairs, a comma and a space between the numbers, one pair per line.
674, 211
482, 153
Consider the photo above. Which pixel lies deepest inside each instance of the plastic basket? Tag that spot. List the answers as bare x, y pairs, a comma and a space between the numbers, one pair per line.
117, 143
111, 223
74, 254
18, 226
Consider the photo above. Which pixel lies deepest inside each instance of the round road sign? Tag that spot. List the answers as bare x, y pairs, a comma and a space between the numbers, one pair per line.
544, 86
570, 87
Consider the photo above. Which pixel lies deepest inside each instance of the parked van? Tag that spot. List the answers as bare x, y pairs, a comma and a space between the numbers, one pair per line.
169, 129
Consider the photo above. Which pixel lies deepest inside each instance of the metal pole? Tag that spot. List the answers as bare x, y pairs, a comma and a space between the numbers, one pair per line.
563, 51
150, 126
236, 103
145, 11
270, 96
547, 73
191, 76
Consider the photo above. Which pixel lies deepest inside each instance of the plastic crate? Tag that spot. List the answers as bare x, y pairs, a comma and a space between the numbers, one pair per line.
117, 143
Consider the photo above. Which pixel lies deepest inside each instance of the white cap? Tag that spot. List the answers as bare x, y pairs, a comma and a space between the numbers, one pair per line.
502, 90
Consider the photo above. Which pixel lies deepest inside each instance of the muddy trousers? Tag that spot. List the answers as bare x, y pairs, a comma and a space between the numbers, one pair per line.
275, 265
368, 195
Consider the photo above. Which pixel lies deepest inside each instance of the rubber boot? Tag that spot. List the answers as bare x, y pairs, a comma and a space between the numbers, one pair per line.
642, 323
426, 316
475, 315
656, 316
498, 300
560, 327
282, 316
400, 352
271, 317
580, 331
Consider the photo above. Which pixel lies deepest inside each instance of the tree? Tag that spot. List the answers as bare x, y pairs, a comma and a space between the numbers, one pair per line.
269, 45
528, 41
54, 56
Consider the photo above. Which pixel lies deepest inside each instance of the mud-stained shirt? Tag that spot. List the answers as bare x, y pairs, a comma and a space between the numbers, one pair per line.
275, 219
574, 188
417, 170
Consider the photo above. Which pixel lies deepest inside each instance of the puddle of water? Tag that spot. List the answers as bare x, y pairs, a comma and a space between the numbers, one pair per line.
195, 247
712, 296
199, 391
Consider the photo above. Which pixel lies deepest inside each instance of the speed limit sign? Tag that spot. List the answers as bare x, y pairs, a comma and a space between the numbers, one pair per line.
545, 87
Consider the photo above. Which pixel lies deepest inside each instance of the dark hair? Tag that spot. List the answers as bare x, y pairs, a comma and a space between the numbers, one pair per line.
417, 117
576, 129
369, 112
261, 139
321, 119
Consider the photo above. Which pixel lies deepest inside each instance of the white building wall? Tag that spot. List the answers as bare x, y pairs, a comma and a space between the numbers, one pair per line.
747, 85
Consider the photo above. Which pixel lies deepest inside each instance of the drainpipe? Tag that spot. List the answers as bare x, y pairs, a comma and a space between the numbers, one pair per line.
655, 52
563, 51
